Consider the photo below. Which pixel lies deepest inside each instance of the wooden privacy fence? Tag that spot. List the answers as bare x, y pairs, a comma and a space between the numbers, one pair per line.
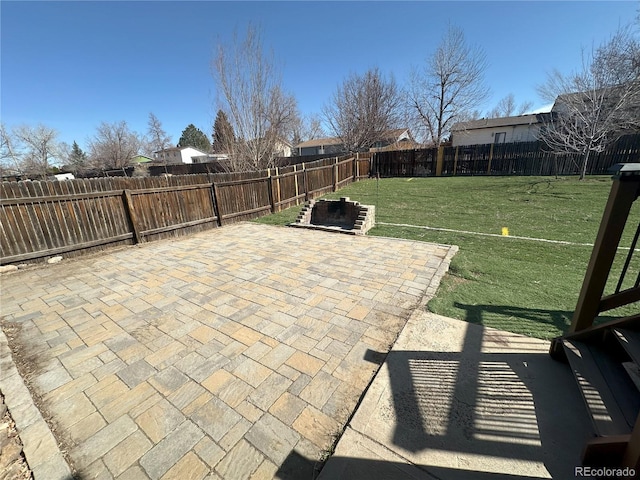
524, 158
41, 219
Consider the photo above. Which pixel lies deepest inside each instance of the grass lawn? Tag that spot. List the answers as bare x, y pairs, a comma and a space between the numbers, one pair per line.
522, 286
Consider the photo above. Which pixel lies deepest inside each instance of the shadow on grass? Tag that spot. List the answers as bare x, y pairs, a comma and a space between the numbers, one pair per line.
507, 314
477, 314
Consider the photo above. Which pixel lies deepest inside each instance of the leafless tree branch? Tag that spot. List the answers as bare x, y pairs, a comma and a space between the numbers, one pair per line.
251, 94
596, 104
113, 146
449, 87
363, 108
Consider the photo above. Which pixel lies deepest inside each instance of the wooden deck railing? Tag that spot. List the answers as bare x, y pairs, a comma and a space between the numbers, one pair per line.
592, 301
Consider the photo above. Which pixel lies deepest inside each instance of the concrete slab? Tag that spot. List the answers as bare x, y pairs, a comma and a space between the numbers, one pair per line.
460, 401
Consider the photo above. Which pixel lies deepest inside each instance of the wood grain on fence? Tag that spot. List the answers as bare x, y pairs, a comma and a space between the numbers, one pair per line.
41, 219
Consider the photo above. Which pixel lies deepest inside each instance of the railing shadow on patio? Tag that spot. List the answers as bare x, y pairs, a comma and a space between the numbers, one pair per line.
493, 398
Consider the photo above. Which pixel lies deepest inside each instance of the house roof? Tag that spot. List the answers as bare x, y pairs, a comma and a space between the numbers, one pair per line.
319, 142
389, 135
610, 95
141, 159
499, 122
179, 149
395, 134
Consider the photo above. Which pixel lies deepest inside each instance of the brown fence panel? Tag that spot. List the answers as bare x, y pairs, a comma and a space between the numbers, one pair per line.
244, 199
345, 172
319, 180
40, 219
363, 167
46, 218
289, 187
161, 210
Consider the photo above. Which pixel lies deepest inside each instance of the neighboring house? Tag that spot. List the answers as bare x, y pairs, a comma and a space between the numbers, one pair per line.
63, 176
210, 157
178, 155
320, 146
592, 103
397, 137
522, 128
283, 148
333, 145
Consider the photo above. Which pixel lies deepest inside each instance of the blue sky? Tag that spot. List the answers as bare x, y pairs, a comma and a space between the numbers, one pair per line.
72, 65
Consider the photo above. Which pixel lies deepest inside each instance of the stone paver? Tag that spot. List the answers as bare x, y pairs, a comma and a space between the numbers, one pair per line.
233, 353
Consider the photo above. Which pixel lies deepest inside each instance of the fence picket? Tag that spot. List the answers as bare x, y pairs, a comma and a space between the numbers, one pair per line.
524, 158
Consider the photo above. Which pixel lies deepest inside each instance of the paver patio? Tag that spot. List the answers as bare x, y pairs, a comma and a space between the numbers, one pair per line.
214, 355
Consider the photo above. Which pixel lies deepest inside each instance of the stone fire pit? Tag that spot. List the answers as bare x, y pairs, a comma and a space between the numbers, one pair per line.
343, 216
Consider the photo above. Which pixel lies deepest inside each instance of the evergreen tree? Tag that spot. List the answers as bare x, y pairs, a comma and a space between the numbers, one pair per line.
194, 137
223, 135
77, 158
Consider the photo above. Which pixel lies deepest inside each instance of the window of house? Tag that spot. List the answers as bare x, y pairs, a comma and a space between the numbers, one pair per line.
500, 137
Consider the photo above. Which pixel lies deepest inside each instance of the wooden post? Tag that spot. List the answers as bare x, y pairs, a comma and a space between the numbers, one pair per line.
335, 175
624, 191
305, 180
490, 158
439, 161
271, 196
131, 215
356, 169
216, 200
455, 162
295, 181
278, 195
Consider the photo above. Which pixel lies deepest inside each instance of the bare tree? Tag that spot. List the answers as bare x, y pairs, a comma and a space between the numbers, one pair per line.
449, 87
306, 128
8, 154
363, 108
37, 149
253, 99
597, 104
507, 107
157, 138
113, 146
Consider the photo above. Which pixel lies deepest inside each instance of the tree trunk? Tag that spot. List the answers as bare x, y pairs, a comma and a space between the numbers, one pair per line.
585, 160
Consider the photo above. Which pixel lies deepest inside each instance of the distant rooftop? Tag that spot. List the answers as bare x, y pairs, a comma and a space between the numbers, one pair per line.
500, 122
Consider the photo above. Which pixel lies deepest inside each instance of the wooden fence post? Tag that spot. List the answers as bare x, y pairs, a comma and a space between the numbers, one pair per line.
278, 194
355, 169
214, 200
216, 196
131, 215
455, 162
305, 180
271, 196
295, 181
335, 175
439, 161
490, 158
